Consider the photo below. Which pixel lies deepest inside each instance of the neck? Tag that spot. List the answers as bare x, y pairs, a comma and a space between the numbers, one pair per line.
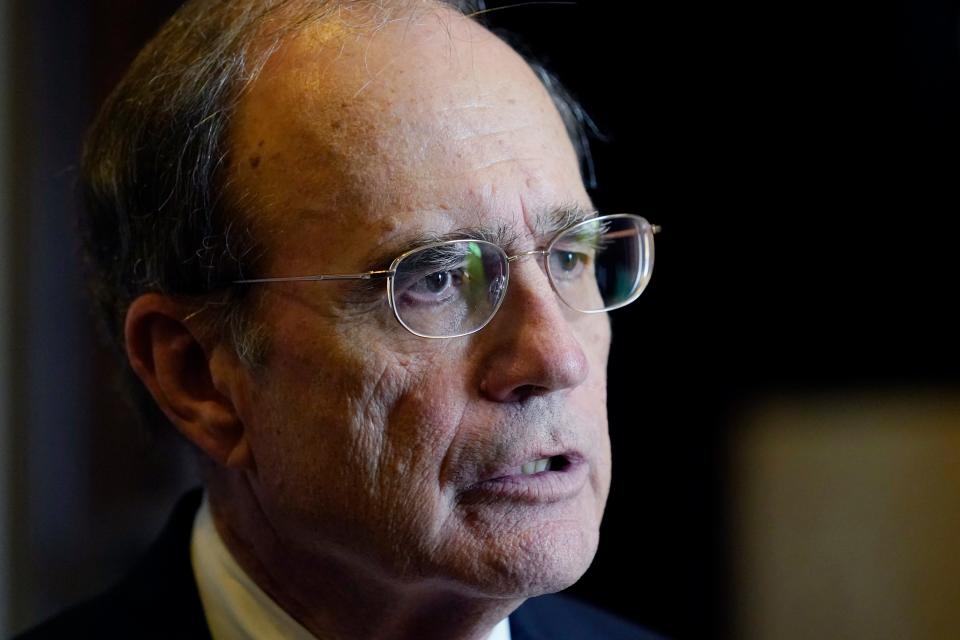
337, 597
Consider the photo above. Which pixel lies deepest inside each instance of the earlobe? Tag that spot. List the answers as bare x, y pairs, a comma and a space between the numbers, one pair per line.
173, 364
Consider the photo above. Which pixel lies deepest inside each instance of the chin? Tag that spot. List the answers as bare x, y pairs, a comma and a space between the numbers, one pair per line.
539, 564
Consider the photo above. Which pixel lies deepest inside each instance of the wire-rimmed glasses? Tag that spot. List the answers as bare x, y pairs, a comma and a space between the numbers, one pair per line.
454, 288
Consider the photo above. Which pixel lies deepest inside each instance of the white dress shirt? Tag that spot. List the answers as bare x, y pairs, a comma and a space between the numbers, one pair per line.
235, 607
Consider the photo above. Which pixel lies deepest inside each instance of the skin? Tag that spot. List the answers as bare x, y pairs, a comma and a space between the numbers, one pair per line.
338, 467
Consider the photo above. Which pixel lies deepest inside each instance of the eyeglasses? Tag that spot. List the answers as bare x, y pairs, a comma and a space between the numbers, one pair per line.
454, 288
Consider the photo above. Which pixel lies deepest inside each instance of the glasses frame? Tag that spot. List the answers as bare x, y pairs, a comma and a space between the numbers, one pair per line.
647, 231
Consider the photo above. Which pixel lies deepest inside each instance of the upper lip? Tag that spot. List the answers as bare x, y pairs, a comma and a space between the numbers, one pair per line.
512, 468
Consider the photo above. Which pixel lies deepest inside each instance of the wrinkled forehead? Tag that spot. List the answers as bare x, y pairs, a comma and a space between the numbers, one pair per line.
398, 122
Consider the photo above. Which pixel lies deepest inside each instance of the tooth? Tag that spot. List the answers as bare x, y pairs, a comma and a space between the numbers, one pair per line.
528, 468
542, 464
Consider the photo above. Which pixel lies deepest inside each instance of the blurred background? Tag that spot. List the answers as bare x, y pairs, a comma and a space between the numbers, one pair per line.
784, 398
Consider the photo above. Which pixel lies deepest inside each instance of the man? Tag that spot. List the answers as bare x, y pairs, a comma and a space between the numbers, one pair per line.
417, 446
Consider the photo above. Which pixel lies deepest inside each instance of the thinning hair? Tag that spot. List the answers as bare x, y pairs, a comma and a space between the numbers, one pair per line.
159, 215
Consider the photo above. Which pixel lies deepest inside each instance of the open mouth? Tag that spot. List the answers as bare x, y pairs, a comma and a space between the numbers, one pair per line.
543, 480
553, 463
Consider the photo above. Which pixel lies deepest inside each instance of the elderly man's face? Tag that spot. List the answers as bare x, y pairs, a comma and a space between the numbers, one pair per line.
370, 443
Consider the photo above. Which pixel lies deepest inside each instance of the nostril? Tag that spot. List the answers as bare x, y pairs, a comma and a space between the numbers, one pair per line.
527, 391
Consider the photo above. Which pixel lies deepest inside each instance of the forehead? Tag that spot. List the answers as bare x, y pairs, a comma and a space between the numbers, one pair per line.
424, 122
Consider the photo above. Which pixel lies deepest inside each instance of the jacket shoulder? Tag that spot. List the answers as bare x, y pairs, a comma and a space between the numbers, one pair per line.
79, 621
562, 616
158, 599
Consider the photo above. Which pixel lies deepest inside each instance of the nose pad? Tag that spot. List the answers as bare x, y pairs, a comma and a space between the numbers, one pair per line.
542, 253
537, 255
538, 275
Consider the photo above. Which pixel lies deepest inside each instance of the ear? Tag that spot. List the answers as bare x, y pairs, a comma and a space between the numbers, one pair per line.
196, 387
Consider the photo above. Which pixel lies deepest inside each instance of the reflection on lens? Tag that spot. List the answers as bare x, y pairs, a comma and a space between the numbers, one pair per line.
602, 263
473, 273
454, 288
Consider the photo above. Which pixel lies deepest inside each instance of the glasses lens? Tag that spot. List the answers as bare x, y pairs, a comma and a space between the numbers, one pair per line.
602, 263
449, 289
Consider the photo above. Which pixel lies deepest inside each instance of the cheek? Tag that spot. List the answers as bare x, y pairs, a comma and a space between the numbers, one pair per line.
600, 337
594, 335
424, 422
358, 435
314, 423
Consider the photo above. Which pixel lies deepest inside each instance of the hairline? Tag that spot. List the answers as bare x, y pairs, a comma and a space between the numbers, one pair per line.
545, 221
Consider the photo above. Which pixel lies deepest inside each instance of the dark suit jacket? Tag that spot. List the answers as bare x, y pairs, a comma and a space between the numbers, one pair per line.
159, 599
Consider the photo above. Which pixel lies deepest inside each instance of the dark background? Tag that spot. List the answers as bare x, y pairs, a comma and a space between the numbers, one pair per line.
800, 157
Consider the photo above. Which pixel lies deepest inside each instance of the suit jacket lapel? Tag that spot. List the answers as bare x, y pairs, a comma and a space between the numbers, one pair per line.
160, 594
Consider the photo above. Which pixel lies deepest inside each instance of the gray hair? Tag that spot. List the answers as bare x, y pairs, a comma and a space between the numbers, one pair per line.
159, 216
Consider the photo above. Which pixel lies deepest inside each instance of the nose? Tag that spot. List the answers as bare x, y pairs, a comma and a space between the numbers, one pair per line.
532, 348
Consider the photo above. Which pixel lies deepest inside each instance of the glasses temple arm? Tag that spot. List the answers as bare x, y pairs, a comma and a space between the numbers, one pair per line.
369, 275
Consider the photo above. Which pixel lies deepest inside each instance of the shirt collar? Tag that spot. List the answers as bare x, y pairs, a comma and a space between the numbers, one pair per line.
236, 608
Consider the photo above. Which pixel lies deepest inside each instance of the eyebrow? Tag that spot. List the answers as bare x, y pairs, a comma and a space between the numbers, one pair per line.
556, 219
546, 223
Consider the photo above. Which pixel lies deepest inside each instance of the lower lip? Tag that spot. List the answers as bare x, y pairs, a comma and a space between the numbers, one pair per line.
539, 488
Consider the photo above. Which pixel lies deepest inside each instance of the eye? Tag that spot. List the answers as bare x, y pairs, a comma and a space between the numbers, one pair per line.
435, 287
437, 282
568, 264
567, 260
439, 275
